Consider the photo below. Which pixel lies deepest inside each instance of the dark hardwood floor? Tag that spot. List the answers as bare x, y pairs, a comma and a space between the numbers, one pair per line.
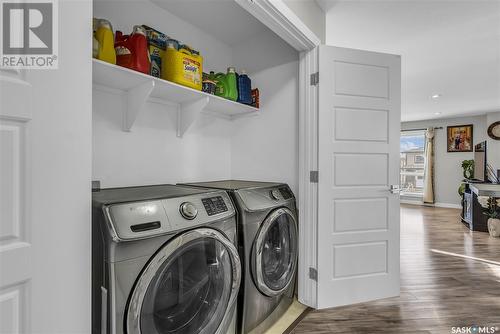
450, 277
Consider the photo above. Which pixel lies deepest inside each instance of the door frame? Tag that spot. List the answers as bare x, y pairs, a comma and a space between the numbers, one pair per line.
308, 183
278, 17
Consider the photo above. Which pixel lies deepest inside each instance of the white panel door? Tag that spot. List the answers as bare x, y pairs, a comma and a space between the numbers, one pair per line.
15, 244
358, 162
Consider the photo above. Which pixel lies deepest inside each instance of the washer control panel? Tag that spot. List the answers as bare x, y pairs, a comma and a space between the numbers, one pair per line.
149, 218
214, 205
188, 210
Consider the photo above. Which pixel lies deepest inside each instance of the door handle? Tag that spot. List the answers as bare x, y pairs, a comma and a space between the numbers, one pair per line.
394, 189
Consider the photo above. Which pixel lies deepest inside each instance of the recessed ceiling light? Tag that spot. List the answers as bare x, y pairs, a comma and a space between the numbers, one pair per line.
437, 113
435, 96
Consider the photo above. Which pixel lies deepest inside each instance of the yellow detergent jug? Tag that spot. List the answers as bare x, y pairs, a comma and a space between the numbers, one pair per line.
183, 66
106, 41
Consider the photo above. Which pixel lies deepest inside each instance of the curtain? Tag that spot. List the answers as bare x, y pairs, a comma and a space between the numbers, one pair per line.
429, 167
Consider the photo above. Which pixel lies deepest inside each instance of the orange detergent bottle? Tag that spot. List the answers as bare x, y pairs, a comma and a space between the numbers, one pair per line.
132, 50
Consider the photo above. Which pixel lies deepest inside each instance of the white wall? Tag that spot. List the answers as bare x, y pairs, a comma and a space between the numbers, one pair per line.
61, 173
493, 145
447, 168
265, 147
261, 52
151, 153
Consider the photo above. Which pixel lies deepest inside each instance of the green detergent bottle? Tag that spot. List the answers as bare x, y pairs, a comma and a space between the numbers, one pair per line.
227, 85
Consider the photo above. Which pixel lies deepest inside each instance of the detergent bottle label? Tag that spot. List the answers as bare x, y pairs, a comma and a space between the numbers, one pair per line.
219, 90
122, 51
155, 54
192, 70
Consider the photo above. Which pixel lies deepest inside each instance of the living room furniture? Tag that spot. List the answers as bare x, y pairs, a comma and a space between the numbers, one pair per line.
472, 212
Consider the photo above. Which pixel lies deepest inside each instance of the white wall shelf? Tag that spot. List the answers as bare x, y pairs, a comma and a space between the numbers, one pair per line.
139, 88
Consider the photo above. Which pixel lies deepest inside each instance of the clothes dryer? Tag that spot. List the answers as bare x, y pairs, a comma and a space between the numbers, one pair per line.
267, 239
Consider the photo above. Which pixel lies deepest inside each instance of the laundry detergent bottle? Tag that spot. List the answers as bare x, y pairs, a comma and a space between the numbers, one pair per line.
183, 66
227, 84
244, 88
105, 49
132, 50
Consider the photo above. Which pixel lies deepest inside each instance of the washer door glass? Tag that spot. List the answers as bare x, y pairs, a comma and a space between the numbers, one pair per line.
192, 288
276, 252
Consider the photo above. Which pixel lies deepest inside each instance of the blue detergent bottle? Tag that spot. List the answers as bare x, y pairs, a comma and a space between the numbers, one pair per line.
244, 88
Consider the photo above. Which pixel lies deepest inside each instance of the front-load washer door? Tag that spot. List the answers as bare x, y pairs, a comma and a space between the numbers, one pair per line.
189, 286
275, 252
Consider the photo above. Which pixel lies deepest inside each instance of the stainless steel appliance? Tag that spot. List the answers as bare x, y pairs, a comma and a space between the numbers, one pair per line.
267, 240
164, 261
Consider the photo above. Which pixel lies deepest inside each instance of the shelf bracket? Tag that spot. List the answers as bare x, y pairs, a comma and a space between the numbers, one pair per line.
136, 98
188, 112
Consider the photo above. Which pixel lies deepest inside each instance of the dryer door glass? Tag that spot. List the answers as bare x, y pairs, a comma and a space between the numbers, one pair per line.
193, 287
276, 252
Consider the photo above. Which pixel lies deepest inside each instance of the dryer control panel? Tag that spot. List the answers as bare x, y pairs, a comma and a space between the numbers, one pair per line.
263, 198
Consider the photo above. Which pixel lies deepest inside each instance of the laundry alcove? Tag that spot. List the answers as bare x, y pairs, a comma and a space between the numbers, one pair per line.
175, 134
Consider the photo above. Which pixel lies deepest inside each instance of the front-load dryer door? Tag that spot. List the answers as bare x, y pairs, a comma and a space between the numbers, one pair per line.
274, 255
189, 286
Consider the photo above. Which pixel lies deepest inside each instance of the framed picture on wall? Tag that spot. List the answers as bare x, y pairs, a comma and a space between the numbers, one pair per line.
459, 138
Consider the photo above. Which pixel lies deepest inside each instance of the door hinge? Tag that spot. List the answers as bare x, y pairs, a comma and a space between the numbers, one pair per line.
313, 176
314, 79
313, 274
96, 186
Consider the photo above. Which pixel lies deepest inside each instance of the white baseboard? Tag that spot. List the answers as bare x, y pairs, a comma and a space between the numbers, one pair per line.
438, 204
411, 202
448, 205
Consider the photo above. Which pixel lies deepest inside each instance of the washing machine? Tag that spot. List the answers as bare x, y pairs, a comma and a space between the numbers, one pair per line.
164, 260
267, 239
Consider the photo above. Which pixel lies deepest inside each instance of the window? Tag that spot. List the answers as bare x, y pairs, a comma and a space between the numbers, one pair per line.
419, 159
412, 165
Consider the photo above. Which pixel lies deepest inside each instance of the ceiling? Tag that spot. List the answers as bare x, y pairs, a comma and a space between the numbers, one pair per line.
231, 25
450, 48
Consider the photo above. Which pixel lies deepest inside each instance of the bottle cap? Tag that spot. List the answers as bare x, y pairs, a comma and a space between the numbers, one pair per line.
105, 23
139, 30
242, 72
231, 70
173, 43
